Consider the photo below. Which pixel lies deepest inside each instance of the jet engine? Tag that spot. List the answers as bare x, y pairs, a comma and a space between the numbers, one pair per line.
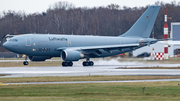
39, 58
71, 55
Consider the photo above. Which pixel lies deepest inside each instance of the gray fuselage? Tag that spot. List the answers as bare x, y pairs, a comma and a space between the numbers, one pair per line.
46, 44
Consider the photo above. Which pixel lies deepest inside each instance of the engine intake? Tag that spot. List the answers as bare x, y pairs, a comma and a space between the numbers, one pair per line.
70, 55
39, 58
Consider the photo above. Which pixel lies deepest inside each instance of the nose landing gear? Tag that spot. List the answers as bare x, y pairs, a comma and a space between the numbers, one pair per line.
25, 62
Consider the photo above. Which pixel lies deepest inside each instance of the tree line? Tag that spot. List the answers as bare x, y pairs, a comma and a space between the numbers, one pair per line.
65, 18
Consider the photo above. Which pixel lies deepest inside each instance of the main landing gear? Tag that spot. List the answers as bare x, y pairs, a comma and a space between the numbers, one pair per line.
67, 63
25, 62
88, 62
85, 63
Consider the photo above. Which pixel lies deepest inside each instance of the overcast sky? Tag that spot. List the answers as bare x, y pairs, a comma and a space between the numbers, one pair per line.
32, 6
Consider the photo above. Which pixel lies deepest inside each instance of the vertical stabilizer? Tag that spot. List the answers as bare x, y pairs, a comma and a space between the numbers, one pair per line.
144, 25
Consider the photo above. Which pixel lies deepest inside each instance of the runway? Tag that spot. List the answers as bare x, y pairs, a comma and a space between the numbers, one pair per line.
101, 67
79, 70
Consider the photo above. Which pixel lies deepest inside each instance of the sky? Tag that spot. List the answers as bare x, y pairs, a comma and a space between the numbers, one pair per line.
34, 6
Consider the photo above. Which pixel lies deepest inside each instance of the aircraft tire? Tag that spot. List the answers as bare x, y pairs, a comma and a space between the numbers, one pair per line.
70, 63
64, 64
25, 63
85, 63
91, 63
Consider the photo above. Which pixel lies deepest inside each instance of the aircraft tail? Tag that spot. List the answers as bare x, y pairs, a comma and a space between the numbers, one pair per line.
144, 25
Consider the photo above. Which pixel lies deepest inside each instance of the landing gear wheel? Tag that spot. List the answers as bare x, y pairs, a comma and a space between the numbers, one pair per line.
64, 64
70, 63
67, 64
85, 63
25, 63
89, 63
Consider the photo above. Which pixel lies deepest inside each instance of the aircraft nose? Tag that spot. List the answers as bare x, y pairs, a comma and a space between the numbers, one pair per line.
11, 46
6, 45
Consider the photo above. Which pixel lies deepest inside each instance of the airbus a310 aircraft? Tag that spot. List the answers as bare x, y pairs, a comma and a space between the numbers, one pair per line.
39, 47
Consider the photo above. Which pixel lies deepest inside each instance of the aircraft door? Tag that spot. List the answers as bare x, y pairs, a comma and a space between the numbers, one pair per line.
30, 44
28, 41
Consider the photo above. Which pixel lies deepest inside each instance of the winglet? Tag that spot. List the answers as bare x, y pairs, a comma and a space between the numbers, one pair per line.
144, 25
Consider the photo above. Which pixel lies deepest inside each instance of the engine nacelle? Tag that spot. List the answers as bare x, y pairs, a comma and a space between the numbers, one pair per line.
39, 58
71, 55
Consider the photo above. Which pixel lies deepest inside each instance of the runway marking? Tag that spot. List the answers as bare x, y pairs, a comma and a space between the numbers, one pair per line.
8, 84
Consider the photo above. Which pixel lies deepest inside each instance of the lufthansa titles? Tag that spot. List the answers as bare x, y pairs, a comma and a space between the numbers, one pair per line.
57, 39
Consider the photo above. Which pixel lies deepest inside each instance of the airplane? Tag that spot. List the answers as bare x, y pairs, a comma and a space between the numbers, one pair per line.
39, 47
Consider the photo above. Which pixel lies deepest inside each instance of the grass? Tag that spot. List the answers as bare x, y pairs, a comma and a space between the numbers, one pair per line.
154, 91
20, 64
82, 78
174, 60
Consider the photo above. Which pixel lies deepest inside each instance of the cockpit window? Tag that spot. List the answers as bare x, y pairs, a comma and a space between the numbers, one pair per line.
13, 40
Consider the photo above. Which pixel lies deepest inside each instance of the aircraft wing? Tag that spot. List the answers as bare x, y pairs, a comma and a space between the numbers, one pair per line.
98, 47
95, 49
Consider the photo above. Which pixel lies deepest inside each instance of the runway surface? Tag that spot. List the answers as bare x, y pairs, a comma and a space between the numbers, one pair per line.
101, 68
79, 70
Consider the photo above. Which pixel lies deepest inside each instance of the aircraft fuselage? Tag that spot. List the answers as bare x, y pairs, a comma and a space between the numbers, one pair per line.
46, 44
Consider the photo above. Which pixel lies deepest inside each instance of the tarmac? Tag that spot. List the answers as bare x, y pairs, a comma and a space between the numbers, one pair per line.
100, 68
79, 70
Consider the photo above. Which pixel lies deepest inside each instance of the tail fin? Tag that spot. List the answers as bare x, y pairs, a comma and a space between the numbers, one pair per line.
144, 25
